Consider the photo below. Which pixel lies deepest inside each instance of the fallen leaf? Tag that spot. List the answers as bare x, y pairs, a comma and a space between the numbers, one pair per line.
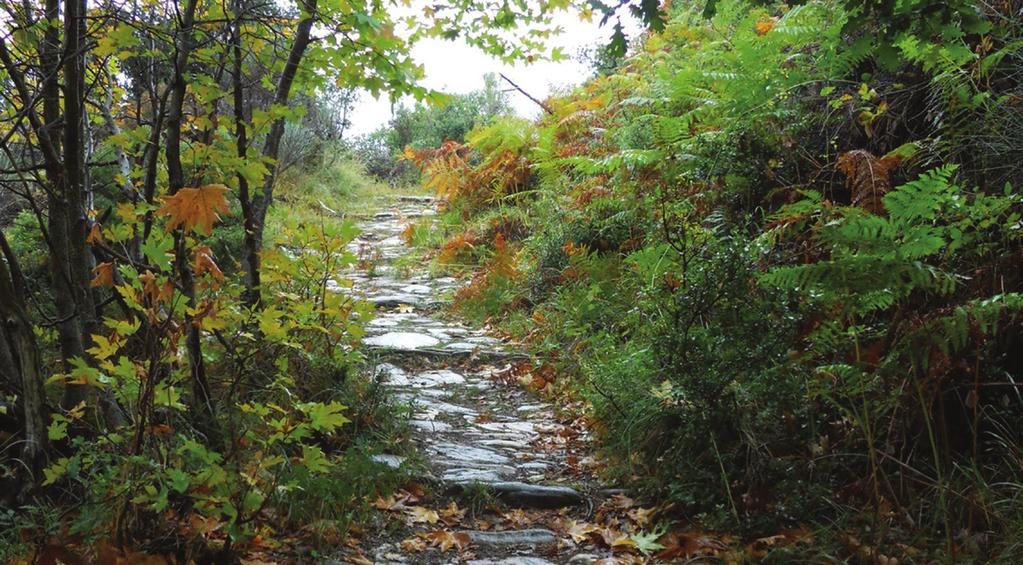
421, 514
445, 540
580, 531
641, 516
452, 515
413, 545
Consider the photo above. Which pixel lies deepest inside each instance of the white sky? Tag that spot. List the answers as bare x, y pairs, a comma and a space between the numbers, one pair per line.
457, 68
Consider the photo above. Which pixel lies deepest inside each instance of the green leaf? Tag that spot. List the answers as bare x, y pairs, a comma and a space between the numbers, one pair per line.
54, 472
325, 417
157, 249
179, 480
314, 459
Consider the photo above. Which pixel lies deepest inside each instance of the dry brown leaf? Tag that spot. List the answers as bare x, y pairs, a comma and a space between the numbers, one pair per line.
413, 545
445, 540
452, 514
580, 531
641, 516
204, 263
617, 540
95, 236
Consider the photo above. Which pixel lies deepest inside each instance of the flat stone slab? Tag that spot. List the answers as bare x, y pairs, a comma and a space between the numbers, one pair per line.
436, 378
519, 560
535, 496
468, 453
484, 476
404, 341
532, 537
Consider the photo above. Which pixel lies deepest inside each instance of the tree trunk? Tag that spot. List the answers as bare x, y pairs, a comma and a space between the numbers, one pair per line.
201, 401
261, 202
20, 344
251, 243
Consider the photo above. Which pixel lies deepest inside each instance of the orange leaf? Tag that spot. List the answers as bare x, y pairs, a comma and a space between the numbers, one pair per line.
103, 275
764, 26
94, 236
195, 207
204, 263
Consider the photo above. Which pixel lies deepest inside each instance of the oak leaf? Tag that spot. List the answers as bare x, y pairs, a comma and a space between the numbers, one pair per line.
195, 208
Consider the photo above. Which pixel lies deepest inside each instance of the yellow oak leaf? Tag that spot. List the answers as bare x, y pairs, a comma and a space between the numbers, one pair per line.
195, 208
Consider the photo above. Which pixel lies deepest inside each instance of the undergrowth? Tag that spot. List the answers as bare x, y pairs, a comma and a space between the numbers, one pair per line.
776, 258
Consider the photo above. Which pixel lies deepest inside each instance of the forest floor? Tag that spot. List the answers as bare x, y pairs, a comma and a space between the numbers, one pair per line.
502, 477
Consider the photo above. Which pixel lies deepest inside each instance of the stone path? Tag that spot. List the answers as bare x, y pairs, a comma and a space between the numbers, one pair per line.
481, 437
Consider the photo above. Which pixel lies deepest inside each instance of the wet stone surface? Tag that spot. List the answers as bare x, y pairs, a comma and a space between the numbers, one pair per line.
472, 431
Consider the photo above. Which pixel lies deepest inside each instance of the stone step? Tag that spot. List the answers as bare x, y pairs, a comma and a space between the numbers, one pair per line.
510, 538
525, 495
420, 199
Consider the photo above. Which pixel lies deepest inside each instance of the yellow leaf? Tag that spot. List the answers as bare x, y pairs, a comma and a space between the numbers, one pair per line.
195, 207
423, 515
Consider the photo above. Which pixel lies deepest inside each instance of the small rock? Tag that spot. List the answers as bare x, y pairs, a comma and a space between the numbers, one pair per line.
392, 461
531, 537
582, 559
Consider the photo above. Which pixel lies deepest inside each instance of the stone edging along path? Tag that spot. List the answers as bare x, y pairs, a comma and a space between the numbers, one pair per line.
502, 470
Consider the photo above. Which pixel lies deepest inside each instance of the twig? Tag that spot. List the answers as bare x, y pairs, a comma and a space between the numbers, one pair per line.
538, 102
